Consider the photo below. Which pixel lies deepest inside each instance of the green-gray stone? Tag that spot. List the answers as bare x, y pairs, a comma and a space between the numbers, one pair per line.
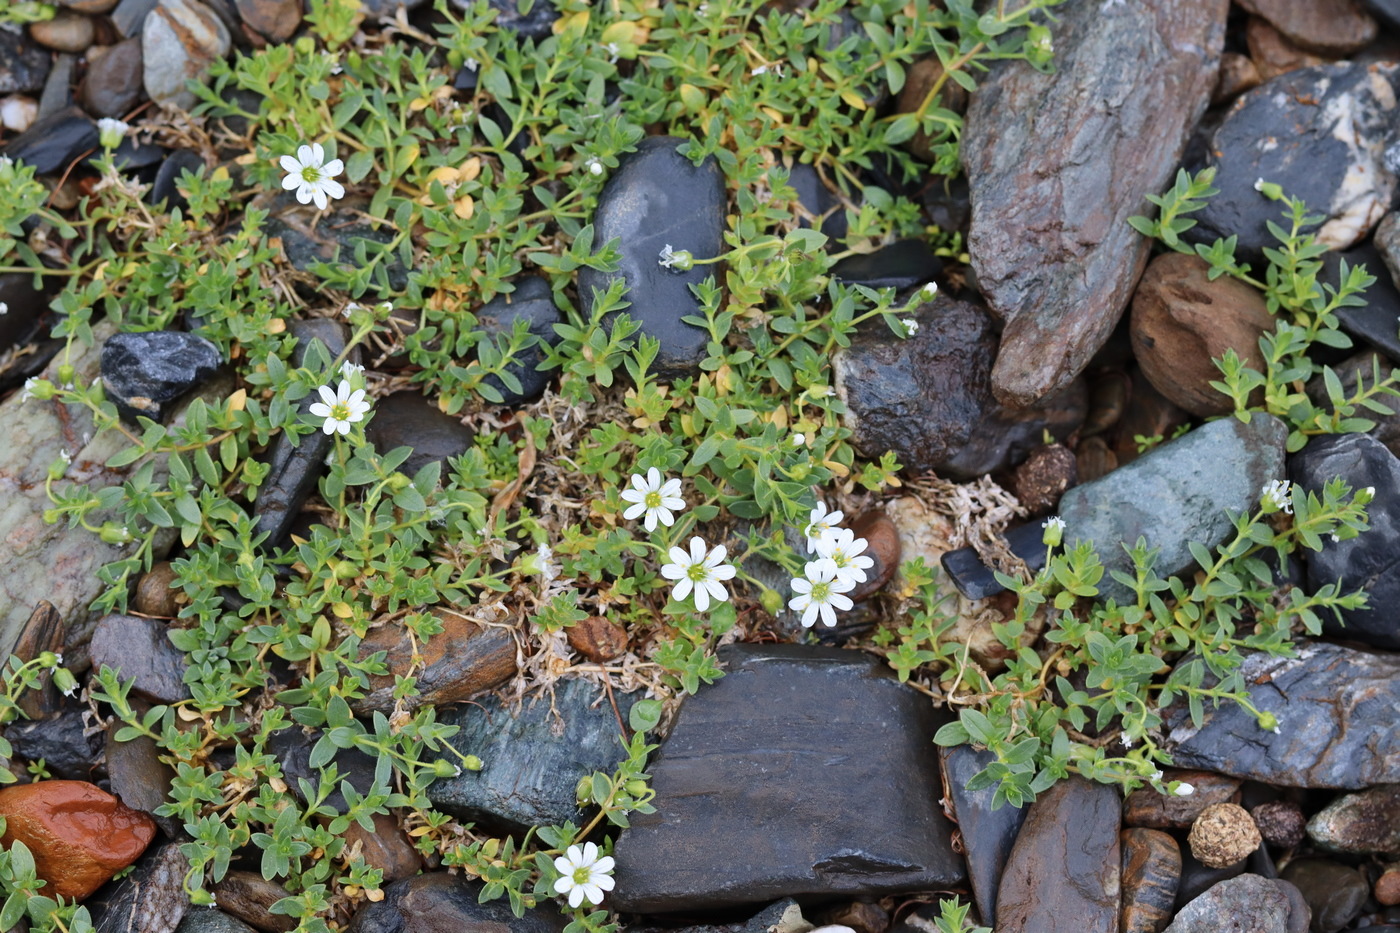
1176, 494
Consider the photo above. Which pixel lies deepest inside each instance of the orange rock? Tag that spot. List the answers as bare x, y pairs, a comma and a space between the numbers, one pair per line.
80, 835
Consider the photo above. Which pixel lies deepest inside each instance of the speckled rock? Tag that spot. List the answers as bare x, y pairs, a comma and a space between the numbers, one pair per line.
180, 40
1151, 871
1280, 822
1366, 823
209, 920
1058, 162
151, 899
145, 374
1248, 902
274, 19
1329, 27
23, 66
249, 896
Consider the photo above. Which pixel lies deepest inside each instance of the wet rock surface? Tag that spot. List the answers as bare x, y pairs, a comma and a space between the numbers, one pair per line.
145, 374
249, 897
532, 302
60, 743
408, 419
1064, 872
208, 920
293, 746
987, 835
658, 198
1249, 902
54, 141
1151, 872
751, 795
1335, 893
462, 660
151, 899
901, 265
441, 902
138, 777
140, 650
1335, 710
1366, 823
1146, 807
1056, 262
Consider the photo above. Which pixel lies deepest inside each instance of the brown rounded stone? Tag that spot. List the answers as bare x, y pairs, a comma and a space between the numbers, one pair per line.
1182, 321
860, 916
1238, 74
155, 595
1223, 835
1146, 807
248, 896
919, 78
463, 659
113, 83
66, 32
1328, 27
1387, 887
1151, 873
881, 546
1280, 822
598, 639
387, 848
1094, 459
1149, 414
79, 834
1272, 53
1043, 478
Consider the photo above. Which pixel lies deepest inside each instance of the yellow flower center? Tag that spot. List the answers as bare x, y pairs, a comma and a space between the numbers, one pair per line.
340, 412
698, 572
652, 500
821, 592
310, 174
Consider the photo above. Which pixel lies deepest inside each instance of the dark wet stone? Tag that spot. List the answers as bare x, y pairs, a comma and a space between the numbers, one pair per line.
1058, 163
1197, 879
43, 631
146, 374
1366, 367
928, 397
1146, 807
1365, 823
460, 661
1336, 713
130, 16
1151, 873
536, 24
441, 902
976, 580
753, 803
180, 39
249, 896
533, 302
1335, 893
1388, 10
1176, 494
531, 773
1248, 902
26, 305
60, 742
292, 748
333, 238
1371, 561
209, 920
23, 65
113, 83
1064, 871
466, 77
274, 19
1328, 27
408, 419
164, 189
151, 899
1329, 124
816, 200
53, 141
295, 468
57, 95
1373, 323
987, 835
658, 198
782, 914
901, 265
138, 777
140, 648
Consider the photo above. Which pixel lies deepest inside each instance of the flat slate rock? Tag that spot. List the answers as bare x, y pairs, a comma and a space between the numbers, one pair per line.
144, 374
1058, 163
1064, 873
803, 771
532, 762
441, 902
410, 419
54, 141
206, 920
1336, 712
988, 835
1175, 494
139, 649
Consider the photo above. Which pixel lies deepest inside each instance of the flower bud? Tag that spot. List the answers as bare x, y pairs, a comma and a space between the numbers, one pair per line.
636, 787
1268, 721
66, 374
473, 763
114, 534
1268, 189
48, 659
57, 469
445, 769
772, 601
64, 680
1054, 531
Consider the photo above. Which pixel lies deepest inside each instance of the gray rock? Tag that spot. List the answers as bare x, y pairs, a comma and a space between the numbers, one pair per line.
408, 419
1249, 902
54, 141
60, 742
987, 835
532, 768
139, 777
308, 241
140, 649
151, 899
113, 83
817, 200
1328, 27
1366, 823
145, 374
1371, 561
1176, 494
1373, 322
1197, 878
803, 771
1353, 371
1058, 163
181, 39
27, 304
292, 748
533, 302
1329, 126
1336, 713
58, 88
130, 16
165, 189
658, 198
209, 920
441, 902
23, 66
901, 265
1064, 873
1335, 893
928, 397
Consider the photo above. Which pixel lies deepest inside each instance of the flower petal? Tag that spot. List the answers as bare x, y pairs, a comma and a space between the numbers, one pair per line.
809, 615
590, 853
716, 555
304, 194
290, 182
697, 550
682, 589
633, 511
320, 154
717, 590
289, 164
320, 409
633, 495
653, 479
593, 892
664, 514
343, 427
679, 557
564, 867
333, 188
723, 572
576, 896
604, 865
565, 884
673, 571
840, 602
333, 167
671, 488
650, 523
702, 597
318, 194
799, 602
329, 426
306, 155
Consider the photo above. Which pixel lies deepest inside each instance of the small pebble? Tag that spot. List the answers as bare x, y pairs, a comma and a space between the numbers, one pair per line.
1387, 887
1223, 835
1280, 822
18, 113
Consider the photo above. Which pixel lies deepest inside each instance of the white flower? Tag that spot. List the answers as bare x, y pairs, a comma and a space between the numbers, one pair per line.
1184, 790
700, 571
930, 289
28, 392
349, 369
4, 308
593, 165
819, 591
655, 498
471, 64
1277, 495
843, 548
799, 439
1156, 776
340, 408
911, 326
311, 176
67, 457
677, 260
612, 50
582, 874
1258, 184
1126, 739
819, 525
110, 132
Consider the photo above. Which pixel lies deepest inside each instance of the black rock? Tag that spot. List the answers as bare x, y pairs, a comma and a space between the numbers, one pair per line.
209, 920
145, 373
23, 65
168, 176
131, 155
803, 771
1249, 902
987, 835
1319, 133
1388, 10
659, 198
780, 914
151, 899
296, 464
531, 771
536, 24
901, 265
53, 141
466, 77
1335, 893
1373, 323
60, 742
533, 302
140, 648
976, 580
292, 748
138, 776
407, 419
24, 306
441, 902
1370, 562
333, 239
130, 16
113, 83
1336, 712
817, 200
